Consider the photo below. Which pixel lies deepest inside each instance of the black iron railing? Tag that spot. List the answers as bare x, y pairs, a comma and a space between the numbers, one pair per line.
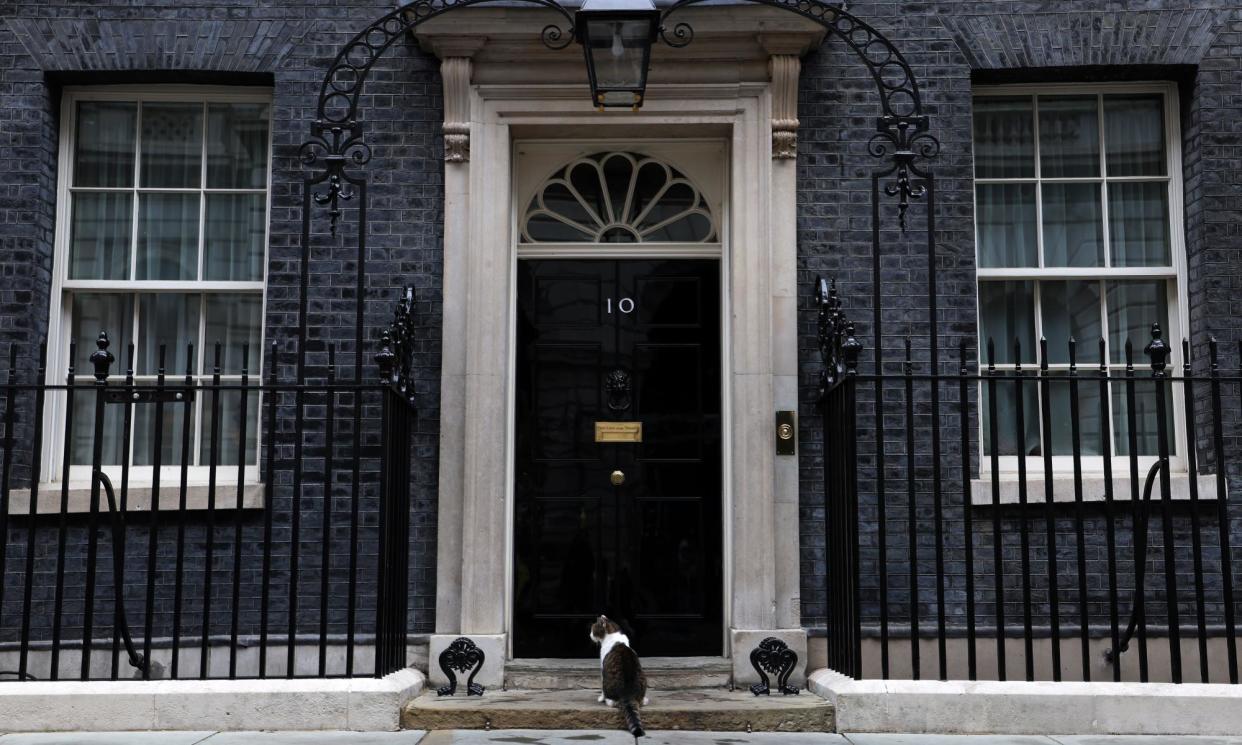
269, 539
1069, 523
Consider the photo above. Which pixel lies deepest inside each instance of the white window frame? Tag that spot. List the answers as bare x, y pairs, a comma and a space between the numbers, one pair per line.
59, 317
1175, 277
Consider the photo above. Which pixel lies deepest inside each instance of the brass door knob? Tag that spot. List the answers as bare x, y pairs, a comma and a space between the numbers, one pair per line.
617, 478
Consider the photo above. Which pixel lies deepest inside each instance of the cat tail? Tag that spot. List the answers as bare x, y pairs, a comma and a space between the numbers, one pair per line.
632, 722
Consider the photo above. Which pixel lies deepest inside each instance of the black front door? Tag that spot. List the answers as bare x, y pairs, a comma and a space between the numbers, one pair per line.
609, 520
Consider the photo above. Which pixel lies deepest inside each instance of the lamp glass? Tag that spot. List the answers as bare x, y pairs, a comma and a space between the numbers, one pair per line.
617, 50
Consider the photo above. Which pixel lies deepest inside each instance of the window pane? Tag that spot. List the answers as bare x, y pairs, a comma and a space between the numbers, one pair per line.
233, 321
1069, 136
95, 312
1062, 415
172, 145
1134, 135
1006, 225
1008, 439
1071, 309
1073, 225
112, 432
234, 236
92, 313
1007, 312
1004, 140
104, 152
1132, 308
543, 228
1138, 223
1146, 422
100, 235
168, 236
171, 319
230, 425
237, 146
169, 441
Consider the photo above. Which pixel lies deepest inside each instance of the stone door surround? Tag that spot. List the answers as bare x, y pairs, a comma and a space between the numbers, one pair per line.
734, 84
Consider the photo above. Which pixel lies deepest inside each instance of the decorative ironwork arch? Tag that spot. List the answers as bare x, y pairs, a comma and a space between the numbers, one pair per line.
337, 143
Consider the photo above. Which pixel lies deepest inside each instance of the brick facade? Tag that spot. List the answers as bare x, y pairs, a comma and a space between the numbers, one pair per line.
951, 45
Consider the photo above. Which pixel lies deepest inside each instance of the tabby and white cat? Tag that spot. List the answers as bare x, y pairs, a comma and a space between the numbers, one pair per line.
621, 674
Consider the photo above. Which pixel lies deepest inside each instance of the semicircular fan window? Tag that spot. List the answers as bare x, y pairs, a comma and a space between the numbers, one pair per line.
617, 197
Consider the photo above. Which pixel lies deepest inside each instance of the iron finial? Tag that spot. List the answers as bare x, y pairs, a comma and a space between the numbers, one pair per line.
386, 358
1158, 350
851, 348
101, 358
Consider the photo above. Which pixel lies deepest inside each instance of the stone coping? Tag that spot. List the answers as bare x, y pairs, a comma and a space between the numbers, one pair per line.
358, 704
994, 707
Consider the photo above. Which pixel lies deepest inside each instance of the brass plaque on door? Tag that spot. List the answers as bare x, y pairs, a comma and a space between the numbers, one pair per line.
618, 431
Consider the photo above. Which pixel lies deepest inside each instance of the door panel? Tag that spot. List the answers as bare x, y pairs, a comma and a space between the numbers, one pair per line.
618, 341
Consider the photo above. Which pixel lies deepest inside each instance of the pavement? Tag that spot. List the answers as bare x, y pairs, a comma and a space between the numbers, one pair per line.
583, 737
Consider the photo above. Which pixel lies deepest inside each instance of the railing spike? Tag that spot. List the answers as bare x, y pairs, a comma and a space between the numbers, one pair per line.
129, 363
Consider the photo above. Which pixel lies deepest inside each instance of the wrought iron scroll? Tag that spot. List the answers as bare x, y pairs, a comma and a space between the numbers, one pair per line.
101, 359
902, 132
460, 656
773, 657
396, 355
336, 140
839, 348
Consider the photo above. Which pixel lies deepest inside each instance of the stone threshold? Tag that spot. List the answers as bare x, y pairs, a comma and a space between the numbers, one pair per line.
664, 673
1022, 708
708, 709
357, 704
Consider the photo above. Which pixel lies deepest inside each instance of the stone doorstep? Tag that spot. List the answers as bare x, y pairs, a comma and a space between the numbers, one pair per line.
663, 673
716, 710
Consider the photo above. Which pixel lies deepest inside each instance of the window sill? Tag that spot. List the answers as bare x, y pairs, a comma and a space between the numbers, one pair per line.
138, 499
1092, 489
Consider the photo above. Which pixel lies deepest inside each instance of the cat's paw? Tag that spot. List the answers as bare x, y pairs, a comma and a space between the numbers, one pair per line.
600, 699
646, 700
610, 702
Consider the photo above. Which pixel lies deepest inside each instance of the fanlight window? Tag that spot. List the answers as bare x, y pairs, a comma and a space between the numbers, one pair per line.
618, 197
